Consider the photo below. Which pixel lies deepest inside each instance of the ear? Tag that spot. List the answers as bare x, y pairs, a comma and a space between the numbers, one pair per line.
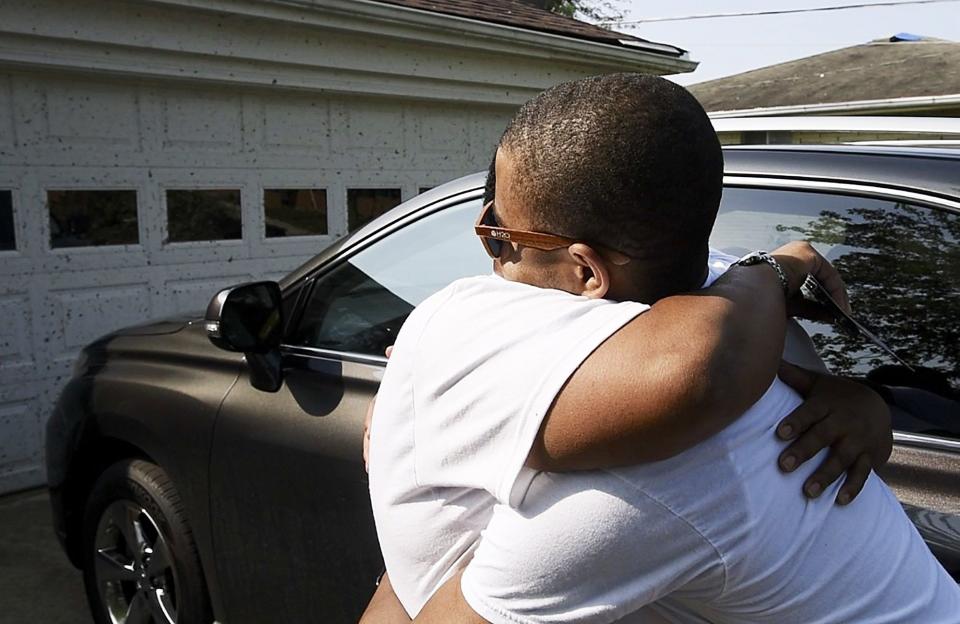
592, 271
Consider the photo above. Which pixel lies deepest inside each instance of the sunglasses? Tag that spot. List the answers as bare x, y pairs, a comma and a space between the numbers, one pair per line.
493, 236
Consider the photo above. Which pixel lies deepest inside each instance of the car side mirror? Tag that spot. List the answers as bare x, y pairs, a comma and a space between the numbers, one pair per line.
248, 319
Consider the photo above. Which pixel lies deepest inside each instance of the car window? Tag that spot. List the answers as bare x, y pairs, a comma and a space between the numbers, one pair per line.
360, 305
901, 262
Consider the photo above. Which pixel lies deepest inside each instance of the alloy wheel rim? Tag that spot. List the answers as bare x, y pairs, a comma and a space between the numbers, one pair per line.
134, 568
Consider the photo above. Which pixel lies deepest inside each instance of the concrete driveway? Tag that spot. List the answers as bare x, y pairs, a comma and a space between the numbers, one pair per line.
37, 583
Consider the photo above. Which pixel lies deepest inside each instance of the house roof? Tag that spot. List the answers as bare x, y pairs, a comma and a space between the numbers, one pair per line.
519, 15
897, 67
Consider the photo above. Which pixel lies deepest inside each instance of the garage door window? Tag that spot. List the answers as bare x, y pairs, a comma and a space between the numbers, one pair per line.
365, 205
901, 262
8, 239
294, 212
92, 218
359, 306
203, 215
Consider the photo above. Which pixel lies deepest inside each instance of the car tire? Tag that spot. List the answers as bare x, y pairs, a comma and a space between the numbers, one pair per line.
140, 561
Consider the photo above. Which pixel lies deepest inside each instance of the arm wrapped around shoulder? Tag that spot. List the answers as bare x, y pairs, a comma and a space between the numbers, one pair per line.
680, 372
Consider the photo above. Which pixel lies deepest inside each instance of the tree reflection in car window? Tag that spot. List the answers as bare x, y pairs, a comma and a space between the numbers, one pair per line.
902, 264
359, 306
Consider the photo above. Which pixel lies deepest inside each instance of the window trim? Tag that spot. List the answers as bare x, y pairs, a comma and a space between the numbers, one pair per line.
842, 188
18, 235
330, 354
48, 246
166, 243
269, 240
922, 440
372, 187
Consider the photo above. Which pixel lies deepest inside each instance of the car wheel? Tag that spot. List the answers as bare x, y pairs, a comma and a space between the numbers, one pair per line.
140, 562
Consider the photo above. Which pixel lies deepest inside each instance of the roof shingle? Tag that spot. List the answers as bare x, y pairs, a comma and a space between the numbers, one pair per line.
520, 15
877, 70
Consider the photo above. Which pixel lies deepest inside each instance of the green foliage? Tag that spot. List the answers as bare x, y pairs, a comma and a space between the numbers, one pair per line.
563, 7
591, 10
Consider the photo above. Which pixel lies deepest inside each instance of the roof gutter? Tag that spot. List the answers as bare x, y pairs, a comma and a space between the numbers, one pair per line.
853, 124
905, 104
377, 18
350, 47
634, 51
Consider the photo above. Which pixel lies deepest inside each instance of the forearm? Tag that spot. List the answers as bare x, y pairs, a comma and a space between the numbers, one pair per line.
681, 372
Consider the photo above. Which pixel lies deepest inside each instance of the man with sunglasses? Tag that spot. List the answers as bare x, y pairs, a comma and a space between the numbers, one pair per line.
606, 190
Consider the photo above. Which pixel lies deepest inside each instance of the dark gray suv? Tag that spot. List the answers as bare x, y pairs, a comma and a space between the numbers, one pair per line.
192, 483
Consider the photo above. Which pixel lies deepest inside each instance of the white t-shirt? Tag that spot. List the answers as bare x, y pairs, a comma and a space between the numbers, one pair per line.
473, 372
715, 534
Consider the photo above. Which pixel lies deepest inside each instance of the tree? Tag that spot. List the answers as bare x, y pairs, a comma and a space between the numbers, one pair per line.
903, 265
592, 10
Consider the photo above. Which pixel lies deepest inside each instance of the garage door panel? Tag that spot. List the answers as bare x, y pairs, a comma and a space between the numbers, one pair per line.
187, 295
7, 135
202, 121
92, 114
16, 344
29, 115
221, 252
301, 125
22, 424
437, 129
291, 252
93, 259
85, 314
371, 128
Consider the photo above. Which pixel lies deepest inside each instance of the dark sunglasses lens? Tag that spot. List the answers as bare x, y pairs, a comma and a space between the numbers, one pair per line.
494, 246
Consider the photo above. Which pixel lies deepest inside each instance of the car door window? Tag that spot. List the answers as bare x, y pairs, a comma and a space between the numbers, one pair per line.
359, 306
901, 262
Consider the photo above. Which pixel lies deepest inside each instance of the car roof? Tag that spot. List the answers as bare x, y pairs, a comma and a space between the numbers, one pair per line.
935, 171
895, 148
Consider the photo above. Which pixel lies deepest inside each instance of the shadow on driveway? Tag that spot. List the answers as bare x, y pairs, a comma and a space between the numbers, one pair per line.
37, 583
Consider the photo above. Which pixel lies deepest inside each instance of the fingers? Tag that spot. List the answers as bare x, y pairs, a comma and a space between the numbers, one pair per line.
856, 478
388, 351
829, 278
845, 458
800, 379
831, 281
807, 414
841, 459
810, 441
840, 414
800, 258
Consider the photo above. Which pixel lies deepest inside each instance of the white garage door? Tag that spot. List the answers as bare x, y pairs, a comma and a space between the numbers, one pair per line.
121, 202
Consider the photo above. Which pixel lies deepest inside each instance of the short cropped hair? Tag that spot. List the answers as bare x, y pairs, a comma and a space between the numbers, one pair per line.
626, 160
